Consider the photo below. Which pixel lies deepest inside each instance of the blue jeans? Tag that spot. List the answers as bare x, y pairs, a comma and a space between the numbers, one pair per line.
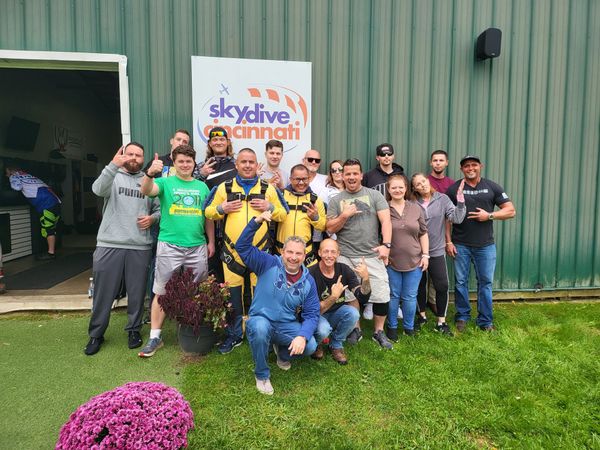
484, 261
337, 324
403, 285
261, 332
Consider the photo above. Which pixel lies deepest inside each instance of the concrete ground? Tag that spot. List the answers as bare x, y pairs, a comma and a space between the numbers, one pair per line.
70, 295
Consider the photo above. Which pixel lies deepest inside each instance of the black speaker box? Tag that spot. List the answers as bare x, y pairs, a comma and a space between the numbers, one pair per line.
488, 44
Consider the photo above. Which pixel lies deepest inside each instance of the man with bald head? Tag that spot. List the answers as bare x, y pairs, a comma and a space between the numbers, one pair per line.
316, 180
337, 317
318, 184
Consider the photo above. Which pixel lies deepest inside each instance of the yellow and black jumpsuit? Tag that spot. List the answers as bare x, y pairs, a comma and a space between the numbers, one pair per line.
297, 222
234, 223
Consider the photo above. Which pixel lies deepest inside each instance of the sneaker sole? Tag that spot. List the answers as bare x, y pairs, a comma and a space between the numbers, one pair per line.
149, 354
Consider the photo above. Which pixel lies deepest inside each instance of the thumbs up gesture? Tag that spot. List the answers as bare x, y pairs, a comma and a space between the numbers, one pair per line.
156, 167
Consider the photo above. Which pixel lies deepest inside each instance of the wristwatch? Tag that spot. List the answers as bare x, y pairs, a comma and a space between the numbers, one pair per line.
491, 217
386, 244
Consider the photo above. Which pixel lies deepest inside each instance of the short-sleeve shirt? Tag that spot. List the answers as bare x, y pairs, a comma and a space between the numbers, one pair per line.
440, 184
486, 195
182, 217
406, 252
360, 233
324, 284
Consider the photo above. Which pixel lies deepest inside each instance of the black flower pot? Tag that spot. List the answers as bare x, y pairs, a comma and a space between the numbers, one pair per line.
196, 345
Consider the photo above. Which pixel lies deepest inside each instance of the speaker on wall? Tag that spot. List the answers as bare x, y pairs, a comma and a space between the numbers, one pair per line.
488, 44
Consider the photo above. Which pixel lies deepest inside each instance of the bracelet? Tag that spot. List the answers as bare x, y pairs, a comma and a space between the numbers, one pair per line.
449, 243
425, 256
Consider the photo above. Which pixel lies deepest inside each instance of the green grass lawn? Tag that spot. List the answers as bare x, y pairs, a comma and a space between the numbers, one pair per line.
532, 384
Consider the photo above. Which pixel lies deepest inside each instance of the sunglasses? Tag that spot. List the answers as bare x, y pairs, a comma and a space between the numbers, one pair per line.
217, 133
314, 160
301, 180
388, 153
338, 170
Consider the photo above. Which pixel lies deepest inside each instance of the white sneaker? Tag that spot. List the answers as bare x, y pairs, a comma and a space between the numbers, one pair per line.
283, 365
368, 311
264, 386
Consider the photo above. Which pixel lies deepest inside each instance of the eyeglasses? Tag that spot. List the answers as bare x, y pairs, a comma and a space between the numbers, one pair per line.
337, 170
314, 160
300, 180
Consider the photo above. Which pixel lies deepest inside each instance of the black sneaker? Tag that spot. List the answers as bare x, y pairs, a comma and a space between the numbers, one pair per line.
444, 329
408, 332
355, 336
93, 346
392, 334
229, 344
382, 340
420, 321
135, 339
45, 257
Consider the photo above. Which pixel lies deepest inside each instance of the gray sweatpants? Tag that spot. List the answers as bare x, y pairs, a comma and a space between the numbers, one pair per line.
110, 266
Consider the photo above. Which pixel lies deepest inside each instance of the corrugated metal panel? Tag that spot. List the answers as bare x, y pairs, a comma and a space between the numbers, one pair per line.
401, 71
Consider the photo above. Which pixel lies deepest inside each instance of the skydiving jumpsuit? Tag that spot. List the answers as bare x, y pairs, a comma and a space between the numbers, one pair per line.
234, 223
297, 222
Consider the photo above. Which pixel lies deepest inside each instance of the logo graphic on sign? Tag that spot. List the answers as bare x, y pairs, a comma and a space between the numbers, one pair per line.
255, 101
269, 112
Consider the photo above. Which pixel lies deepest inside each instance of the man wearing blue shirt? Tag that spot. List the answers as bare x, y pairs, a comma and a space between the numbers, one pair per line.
284, 291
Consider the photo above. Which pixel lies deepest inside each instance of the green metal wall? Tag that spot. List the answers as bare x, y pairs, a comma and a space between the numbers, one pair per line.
400, 71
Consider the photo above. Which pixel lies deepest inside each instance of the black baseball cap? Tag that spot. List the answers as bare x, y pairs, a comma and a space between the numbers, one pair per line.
217, 131
469, 157
384, 149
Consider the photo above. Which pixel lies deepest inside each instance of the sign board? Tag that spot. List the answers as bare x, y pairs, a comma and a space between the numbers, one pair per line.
255, 101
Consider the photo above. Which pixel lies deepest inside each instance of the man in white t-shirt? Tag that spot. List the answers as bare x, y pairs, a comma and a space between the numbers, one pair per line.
318, 184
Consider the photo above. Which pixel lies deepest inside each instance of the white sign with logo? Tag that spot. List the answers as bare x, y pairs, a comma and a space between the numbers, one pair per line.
255, 100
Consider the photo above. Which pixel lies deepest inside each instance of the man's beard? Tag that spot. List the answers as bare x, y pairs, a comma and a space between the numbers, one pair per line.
132, 167
438, 171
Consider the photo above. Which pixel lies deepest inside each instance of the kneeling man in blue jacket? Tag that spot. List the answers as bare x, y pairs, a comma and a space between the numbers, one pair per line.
285, 307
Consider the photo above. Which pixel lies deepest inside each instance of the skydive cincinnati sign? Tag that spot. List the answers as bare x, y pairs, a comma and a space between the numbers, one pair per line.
255, 101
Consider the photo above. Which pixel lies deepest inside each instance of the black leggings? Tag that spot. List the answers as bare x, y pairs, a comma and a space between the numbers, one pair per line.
439, 276
380, 309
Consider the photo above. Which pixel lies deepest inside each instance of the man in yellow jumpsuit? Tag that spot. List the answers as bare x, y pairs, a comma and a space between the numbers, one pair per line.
236, 202
307, 213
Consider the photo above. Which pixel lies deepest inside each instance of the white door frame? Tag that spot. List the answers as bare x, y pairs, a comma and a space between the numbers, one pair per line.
25, 59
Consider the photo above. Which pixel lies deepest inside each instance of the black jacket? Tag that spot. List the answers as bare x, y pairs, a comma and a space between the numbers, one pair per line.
376, 178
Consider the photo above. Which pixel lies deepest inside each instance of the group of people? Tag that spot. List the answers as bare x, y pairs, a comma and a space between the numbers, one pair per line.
314, 250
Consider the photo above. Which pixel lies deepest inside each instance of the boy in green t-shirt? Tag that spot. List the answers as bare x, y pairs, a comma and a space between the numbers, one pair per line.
181, 240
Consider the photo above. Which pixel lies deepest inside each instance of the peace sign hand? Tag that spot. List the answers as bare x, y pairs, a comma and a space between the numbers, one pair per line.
119, 159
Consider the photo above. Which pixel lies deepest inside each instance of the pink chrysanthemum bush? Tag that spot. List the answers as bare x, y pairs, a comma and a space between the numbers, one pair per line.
133, 416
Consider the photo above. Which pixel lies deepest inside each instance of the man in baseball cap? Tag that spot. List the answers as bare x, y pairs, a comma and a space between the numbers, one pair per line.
377, 177
473, 240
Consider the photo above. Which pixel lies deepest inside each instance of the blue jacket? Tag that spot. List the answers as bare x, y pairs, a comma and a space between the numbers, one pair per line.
273, 299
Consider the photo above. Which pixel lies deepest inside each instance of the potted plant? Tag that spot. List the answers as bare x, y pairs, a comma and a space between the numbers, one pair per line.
200, 308
136, 415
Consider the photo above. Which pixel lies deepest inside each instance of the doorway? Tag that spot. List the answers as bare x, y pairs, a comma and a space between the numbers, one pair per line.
63, 117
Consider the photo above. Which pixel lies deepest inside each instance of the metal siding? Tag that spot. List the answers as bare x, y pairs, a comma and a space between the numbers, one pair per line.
383, 70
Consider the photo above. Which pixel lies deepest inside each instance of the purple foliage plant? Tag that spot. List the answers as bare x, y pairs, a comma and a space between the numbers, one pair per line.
196, 303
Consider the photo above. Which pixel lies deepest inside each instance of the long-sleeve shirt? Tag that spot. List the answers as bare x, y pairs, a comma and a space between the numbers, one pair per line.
440, 209
123, 204
273, 298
